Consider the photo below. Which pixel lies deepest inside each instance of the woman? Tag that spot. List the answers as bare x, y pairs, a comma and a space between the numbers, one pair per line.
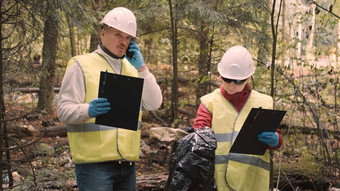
225, 110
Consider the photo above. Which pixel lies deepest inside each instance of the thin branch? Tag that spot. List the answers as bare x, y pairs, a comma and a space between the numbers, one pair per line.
264, 6
3, 12
26, 114
322, 129
26, 143
278, 17
330, 12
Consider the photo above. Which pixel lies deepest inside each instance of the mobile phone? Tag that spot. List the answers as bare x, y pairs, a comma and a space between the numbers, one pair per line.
128, 53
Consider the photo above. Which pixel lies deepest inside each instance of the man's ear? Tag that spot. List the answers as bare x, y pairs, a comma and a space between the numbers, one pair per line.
102, 33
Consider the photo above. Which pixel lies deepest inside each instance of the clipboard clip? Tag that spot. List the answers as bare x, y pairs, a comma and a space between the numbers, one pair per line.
258, 112
256, 115
104, 82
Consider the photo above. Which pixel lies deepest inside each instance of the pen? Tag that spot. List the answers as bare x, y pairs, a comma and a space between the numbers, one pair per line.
104, 82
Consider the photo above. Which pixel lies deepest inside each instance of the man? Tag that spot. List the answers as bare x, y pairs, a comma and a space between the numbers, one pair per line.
104, 156
224, 111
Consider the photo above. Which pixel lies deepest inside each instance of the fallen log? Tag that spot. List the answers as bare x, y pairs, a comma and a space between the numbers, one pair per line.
305, 175
309, 130
33, 90
28, 131
54, 131
155, 182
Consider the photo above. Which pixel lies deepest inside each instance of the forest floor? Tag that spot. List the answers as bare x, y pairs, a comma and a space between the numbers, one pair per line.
43, 161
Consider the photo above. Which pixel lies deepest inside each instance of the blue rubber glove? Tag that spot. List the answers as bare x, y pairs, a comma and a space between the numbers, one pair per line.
137, 59
98, 106
269, 138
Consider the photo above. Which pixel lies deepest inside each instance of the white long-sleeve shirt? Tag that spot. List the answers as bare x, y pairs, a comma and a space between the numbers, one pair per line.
71, 108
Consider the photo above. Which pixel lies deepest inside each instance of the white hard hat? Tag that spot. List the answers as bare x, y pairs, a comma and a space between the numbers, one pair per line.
122, 19
236, 63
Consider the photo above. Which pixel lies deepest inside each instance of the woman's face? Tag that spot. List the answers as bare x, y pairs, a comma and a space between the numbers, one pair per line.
232, 88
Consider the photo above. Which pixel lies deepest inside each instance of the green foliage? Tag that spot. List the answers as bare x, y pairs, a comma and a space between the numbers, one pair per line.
226, 23
60, 149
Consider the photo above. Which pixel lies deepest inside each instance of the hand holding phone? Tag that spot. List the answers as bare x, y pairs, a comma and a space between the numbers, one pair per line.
128, 53
134, 56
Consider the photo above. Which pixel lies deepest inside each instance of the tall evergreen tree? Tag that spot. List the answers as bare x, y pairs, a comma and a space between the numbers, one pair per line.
49, 54
19, 28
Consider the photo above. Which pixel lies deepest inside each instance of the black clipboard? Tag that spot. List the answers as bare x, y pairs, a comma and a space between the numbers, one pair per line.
258, 121
124, 94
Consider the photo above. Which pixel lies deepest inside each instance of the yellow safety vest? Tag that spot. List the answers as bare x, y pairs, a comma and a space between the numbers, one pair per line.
90, 142
233, 171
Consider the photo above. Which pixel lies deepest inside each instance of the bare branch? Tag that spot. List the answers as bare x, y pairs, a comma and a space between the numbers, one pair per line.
265, 7
330, 12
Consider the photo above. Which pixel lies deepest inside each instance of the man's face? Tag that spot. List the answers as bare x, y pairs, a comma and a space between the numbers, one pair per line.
115, 41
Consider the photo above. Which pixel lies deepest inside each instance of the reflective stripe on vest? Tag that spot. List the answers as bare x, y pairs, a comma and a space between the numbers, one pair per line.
226, 137
246, 159
88, 127
236, 171
90, 142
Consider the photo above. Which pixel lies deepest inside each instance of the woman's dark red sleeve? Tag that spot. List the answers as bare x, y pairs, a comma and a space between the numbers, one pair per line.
280, 141
203, 118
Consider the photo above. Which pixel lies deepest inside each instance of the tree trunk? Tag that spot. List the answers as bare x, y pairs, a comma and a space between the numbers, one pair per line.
174, 89
274, 27
4, 144
203, 62
283, 33
299, 37
49, 53
2, 105
72, 40
292, 37
264, 41
309, 45
338, 49
336, 76
4, 154
95, 38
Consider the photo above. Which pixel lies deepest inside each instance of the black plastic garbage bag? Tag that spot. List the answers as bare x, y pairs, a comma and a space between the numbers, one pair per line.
191, 165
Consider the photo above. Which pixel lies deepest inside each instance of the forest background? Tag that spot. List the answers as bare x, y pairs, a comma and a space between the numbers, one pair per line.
295, 43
